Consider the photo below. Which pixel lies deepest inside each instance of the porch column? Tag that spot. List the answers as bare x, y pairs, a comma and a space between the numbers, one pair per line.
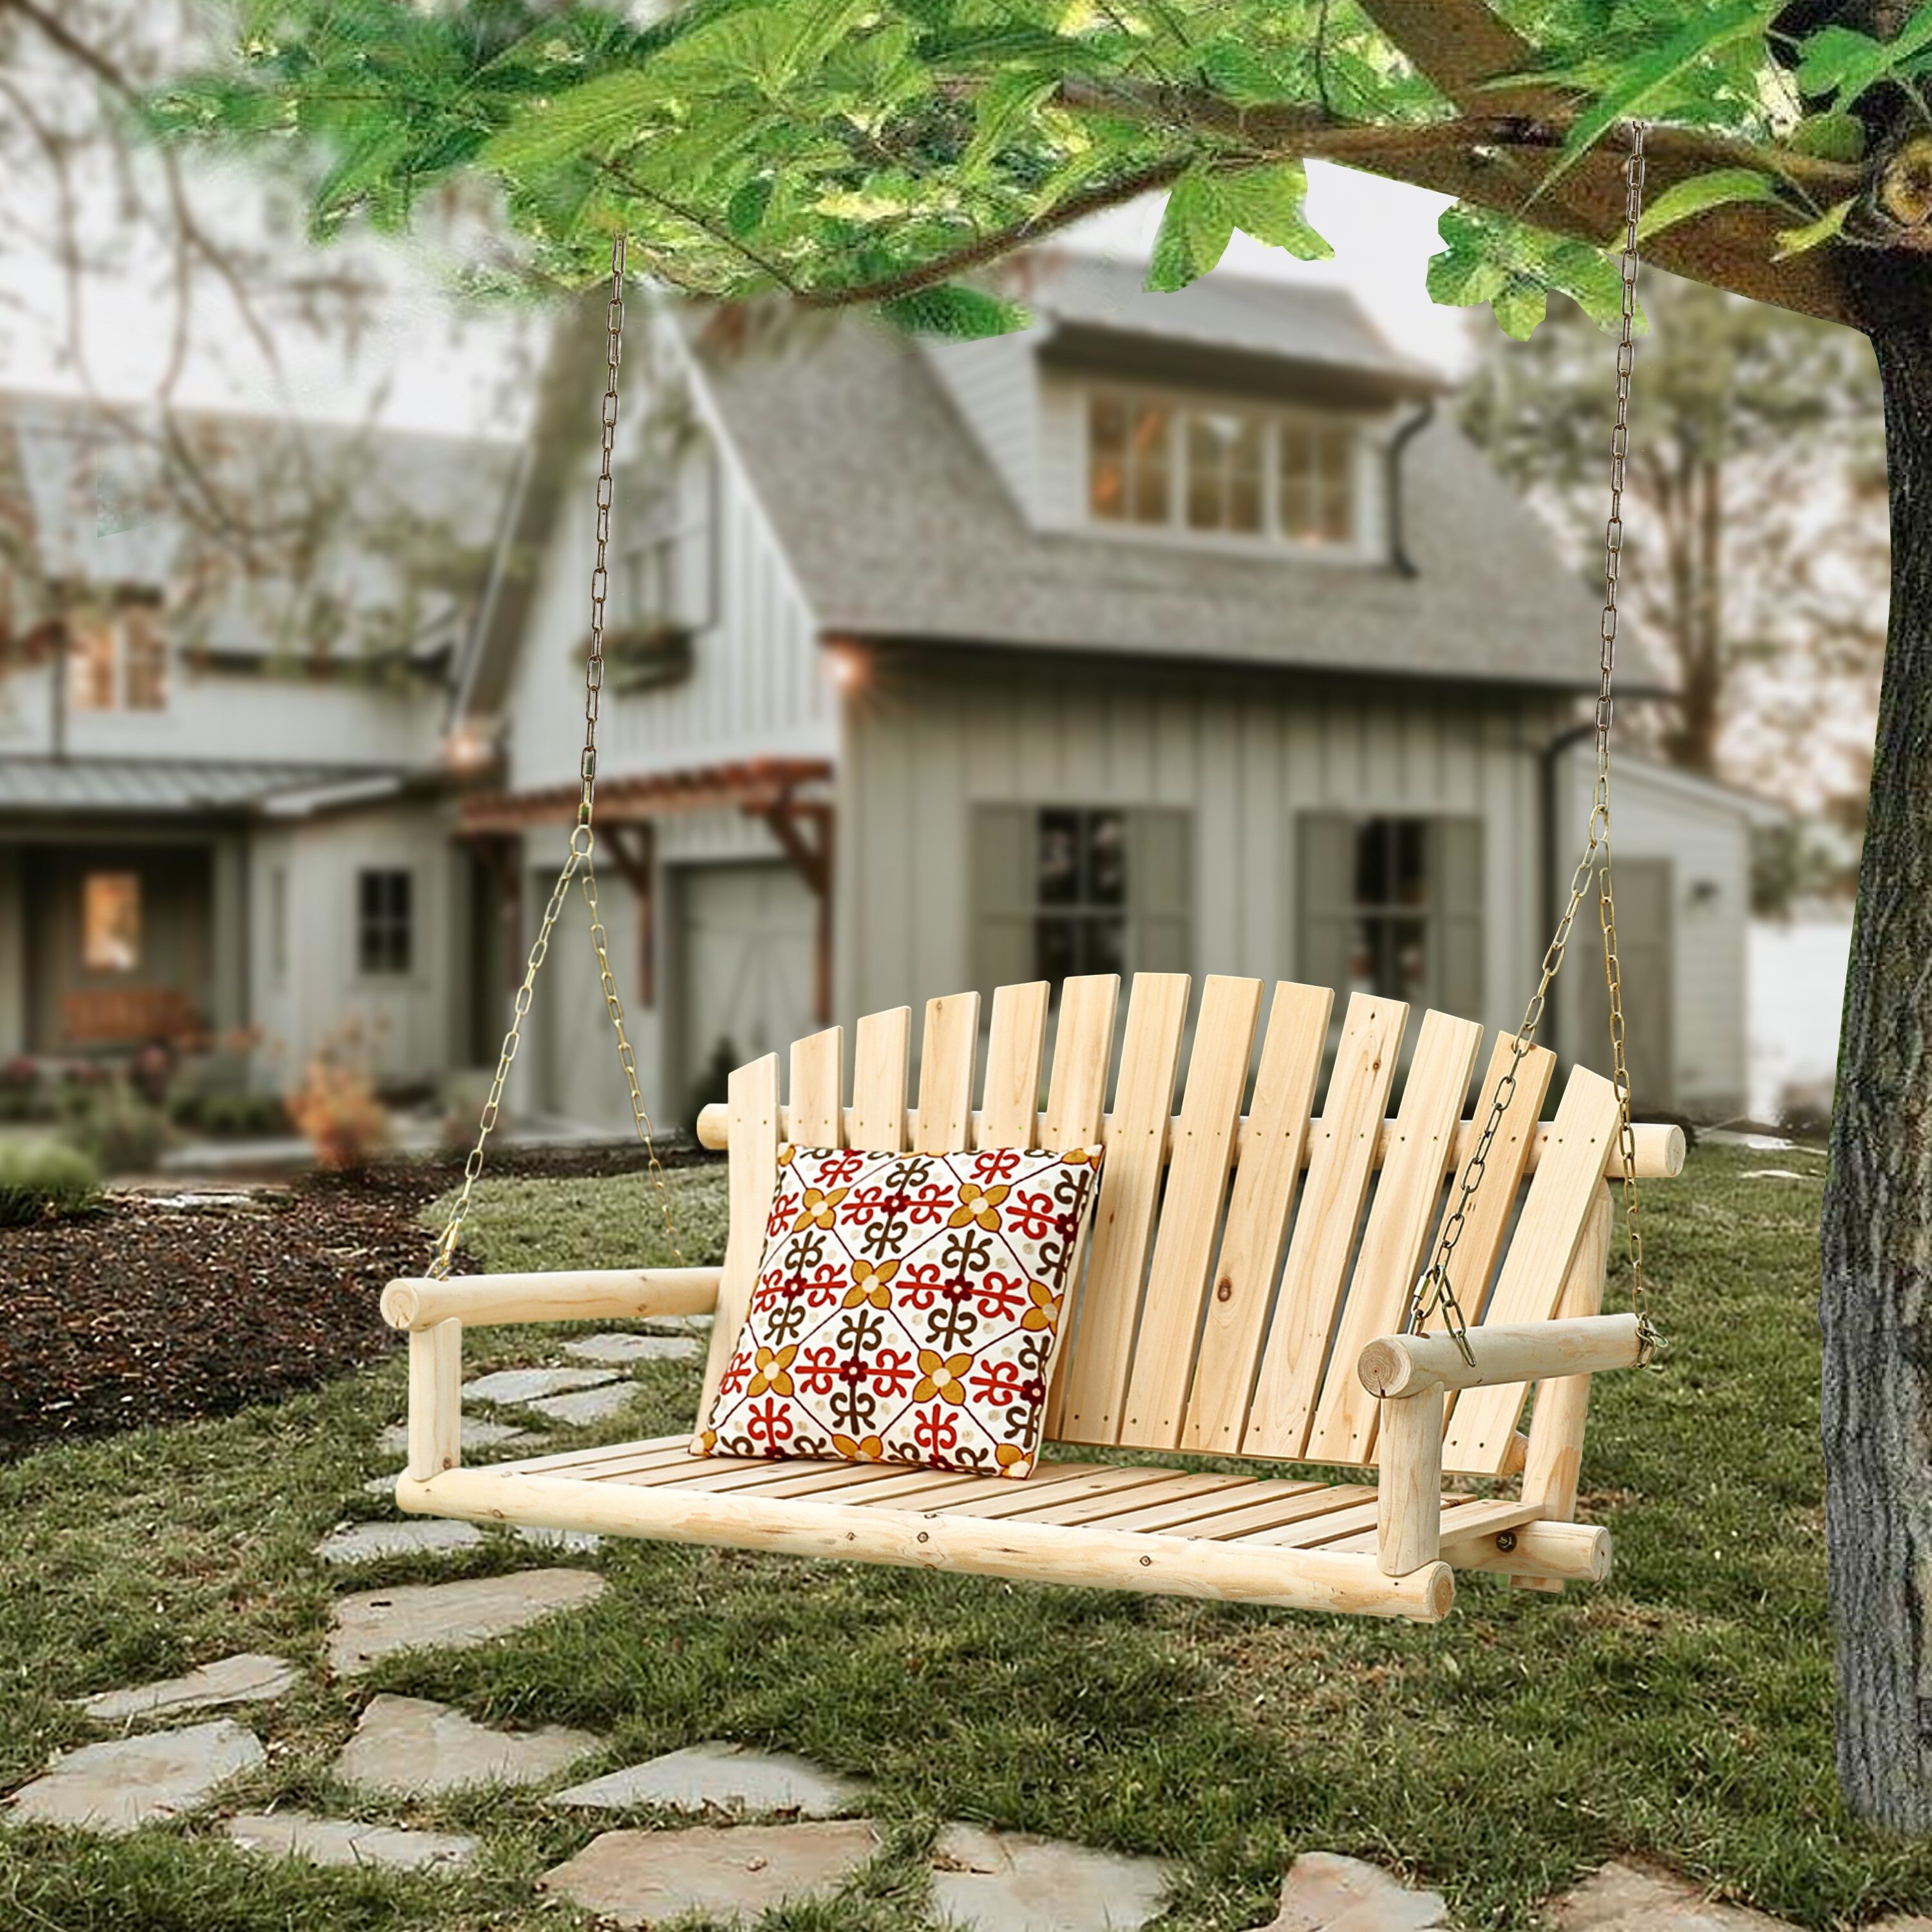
228, 948
13, 955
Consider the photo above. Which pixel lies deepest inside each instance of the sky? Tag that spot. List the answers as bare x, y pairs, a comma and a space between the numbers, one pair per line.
429, 362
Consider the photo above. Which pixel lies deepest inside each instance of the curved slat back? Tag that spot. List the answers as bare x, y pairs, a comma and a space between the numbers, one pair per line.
1197, 1184
1266, 1175
944, 1122
752, 1097
1093, 1381
877, 1121
1341, 1157
1083, 1048
816, 1116
1010, 1110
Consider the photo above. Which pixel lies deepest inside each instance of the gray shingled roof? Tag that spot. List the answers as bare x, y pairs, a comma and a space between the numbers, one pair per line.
898, 527
58, 786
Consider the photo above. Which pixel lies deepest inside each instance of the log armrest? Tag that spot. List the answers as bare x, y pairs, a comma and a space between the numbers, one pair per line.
591, 1294
1399, 1366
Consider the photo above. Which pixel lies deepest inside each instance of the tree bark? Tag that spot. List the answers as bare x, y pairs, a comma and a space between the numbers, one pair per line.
1876, 1307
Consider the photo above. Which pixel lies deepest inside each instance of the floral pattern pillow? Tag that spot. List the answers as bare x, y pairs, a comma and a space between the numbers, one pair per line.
907, 1308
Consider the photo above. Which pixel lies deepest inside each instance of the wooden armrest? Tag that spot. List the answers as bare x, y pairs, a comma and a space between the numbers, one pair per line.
585, 1294
1405, 1365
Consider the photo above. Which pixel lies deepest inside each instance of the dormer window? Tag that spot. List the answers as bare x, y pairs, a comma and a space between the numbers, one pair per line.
119, 662
1222, 471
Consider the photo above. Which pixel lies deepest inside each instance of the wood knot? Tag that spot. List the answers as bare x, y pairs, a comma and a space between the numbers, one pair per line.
1224, 1290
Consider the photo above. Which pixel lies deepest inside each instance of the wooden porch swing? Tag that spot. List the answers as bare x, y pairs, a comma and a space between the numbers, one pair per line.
1251, 1291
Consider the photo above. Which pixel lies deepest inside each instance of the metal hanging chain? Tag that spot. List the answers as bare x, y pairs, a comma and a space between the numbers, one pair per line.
583, 842
1433, 1293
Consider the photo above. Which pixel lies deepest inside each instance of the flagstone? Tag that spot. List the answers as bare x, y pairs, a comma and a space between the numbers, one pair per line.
118, 1787
247, 1678
621, 1350
1010, 1882
1624, 1898
726, 1777
1325, 1891
641, 1878
478, 1433
414, 1536
343, 1841
370, 1625
411, 1746
514, 1387
585, 1406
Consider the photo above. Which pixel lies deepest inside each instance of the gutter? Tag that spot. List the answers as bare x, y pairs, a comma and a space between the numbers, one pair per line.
1405, 564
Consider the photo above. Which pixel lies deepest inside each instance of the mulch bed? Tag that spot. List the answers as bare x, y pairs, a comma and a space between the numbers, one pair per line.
138, 1313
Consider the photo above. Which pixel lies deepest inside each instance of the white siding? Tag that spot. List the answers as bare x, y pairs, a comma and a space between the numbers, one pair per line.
1245, 757
995, 385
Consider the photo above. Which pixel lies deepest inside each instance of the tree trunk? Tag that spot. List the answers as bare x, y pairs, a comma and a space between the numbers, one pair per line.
1876, 1307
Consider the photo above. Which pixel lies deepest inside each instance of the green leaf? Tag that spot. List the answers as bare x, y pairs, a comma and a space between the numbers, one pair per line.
1840, 62
1639, 83
1718, 189
1236, 74
746, 211
1519, 308
1829, 137
1194, 232
1266, 203
952, 310
1796, 240
579, 121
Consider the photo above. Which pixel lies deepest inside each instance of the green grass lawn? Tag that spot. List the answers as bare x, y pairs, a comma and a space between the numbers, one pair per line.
1682, 1711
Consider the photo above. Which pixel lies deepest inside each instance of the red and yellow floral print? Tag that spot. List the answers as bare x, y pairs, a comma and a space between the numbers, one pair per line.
907, 1308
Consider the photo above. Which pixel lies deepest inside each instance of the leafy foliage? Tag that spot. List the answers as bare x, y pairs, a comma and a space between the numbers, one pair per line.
844, 150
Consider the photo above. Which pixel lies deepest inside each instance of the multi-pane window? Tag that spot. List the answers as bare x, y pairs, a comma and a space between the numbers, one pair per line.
663, 573
384, 921
118, 662
1239, 472
1390, 953
1081, 893
110, 921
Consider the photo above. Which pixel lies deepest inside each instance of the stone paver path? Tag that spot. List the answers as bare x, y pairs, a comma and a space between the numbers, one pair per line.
248, 1678
1009, 1882
583, 1406
116, 1788
412, 1746
513, 1387
727, 1776
639, 1878
1640, 1898
341, 1841
373, 1623
619, 1351
415, 1536
1324, 1890
478, 1433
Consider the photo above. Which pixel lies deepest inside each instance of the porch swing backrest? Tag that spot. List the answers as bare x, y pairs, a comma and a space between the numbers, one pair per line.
1191, 1332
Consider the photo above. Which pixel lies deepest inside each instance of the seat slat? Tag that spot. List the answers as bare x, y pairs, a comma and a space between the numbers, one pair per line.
1009, 1116
1294, 1505
1407, 1200
1094, 1509
753, 1100
944, 1122
1265, 1181
1095, 1376
1343, 1150
1561, 1198
566, 1461
1241, 1491
818, 1116
879, 1047
1019, 1498
1190, 1213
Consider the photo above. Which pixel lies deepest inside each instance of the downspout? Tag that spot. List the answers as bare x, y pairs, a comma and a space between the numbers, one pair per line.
1551, 754
1405, 564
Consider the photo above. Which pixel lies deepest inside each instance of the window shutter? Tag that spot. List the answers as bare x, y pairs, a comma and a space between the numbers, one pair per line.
1160, 891
1325, 899
1004, 859
1455, 887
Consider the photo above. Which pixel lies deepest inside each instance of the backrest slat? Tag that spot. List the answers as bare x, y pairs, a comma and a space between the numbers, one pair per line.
1197, 1179
1268, 1173
1094, 1380
1010, 1112
879, 1049
817, 1089
1409, 1199
752, 1097
944, 1122
1083, 1048
1562, 1194
1341, 1154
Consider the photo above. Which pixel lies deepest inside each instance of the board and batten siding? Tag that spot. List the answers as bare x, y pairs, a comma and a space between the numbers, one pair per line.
1243, 759
757, 685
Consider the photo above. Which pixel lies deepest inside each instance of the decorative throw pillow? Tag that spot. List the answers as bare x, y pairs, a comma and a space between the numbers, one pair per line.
907, 1308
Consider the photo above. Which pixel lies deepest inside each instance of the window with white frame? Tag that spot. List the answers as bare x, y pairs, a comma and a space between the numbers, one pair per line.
1228, 470
118, 662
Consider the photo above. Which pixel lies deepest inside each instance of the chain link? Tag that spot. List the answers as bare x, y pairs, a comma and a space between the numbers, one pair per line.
1433, 1293
580, 857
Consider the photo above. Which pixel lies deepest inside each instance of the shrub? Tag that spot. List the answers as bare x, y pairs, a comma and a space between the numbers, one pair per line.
41, 1180
114, 1128
337, 1108
25, 1093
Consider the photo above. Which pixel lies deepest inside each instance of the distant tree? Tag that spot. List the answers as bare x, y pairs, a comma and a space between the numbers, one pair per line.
1755, 432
